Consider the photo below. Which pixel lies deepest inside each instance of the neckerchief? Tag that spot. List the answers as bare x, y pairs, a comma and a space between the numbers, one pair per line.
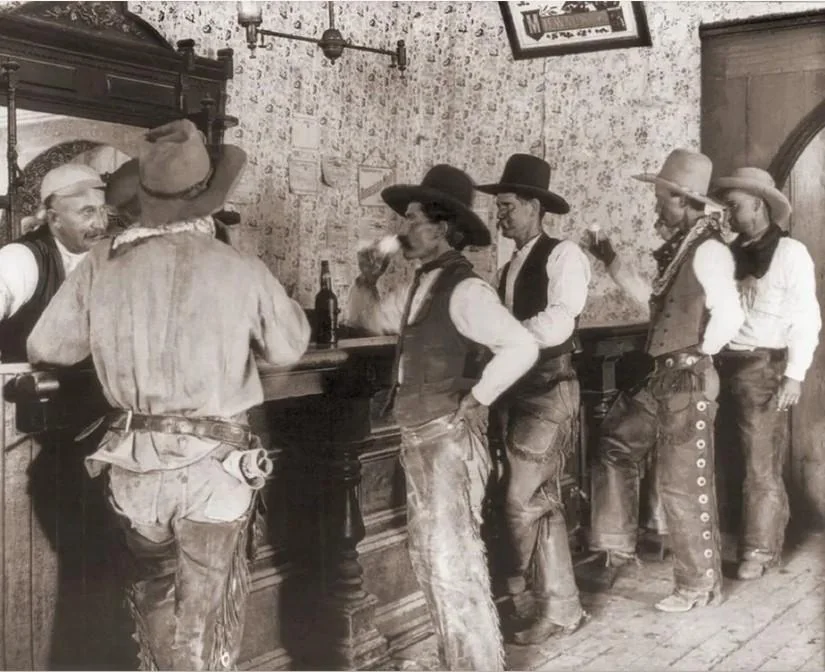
754, 258
136, 234
669, 256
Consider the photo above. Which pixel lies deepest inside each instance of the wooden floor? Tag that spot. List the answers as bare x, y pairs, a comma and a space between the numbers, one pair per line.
774, 624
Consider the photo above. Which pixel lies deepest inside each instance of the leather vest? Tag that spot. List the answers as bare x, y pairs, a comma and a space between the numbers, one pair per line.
530, 291
439, 364
678, 316
50, 275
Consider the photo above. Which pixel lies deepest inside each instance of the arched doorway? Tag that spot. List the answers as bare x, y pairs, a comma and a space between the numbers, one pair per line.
763, 87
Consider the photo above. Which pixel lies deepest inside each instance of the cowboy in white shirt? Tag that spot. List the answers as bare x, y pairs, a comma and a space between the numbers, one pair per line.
763, 367
694, 312
442, 404
544, 285
72, 219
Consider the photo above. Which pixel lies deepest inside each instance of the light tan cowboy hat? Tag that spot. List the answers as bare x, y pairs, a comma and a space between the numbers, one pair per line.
178, 180
449, 187
686, 173
760, 183
528, 175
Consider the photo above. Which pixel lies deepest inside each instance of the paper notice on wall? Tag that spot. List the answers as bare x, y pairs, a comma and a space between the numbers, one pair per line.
303, 174
374, 175
334, 171
306, 132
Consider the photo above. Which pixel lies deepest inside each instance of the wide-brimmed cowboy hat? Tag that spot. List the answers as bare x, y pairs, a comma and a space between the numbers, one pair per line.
528, 175
177, 178
122, 187
686, 173
449, 187
760, 183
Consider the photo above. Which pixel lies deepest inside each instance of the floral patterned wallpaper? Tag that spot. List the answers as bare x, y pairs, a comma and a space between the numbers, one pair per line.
597, 118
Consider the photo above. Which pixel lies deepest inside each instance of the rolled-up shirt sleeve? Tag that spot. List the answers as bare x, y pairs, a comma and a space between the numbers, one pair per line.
284, 328
714, 268
368, 310
479, 315
631, 282
18, 278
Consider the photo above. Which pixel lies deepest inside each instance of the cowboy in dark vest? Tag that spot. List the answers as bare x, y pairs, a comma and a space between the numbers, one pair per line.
70, 219
763, 367
544, 285
694, 312
441, 404
173, 320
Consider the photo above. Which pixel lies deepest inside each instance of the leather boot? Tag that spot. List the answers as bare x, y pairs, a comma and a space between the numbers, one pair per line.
543, 628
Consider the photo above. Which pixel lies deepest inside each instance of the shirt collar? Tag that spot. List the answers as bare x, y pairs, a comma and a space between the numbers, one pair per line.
525, 250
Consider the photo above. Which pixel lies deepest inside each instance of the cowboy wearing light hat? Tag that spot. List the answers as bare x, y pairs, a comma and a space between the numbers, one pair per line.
69, 221
694, 312
763, 367
441, 403
544, 285
173, 320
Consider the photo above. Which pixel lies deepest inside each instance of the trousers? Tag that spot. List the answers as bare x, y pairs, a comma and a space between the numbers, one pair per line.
187, 574
539, 417
674, 413
446, 469
750, 381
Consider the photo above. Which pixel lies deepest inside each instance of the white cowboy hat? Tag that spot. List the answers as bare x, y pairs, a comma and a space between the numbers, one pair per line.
686, 173
760, 183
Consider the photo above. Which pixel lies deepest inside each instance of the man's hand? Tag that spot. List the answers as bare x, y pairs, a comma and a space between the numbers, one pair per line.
600, 247
474, 414
788, 393
372, 264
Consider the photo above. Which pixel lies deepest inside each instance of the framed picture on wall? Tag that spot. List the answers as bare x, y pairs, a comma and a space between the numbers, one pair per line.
540, 29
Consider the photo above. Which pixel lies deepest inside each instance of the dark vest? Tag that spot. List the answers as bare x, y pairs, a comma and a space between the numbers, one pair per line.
530, 290
438, 363
678, 316
50, 275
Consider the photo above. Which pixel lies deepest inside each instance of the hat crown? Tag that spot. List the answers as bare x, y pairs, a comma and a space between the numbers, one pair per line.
752, 174
174, 158
527, 170
689, 170
450, 181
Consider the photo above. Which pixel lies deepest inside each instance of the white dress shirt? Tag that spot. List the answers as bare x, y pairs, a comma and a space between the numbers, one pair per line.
714, 268
568, 276
18, 275
781, 308
477, 314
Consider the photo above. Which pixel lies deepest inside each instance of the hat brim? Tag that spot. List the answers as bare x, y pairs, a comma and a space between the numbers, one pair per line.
679, 189
122, 185
778, 204
228, 168
399, 196
550, 201
79, 187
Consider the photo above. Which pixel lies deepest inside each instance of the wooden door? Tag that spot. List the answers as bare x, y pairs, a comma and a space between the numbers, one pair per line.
763, 82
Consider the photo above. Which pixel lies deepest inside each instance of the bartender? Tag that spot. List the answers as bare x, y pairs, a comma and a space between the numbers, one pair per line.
69, 221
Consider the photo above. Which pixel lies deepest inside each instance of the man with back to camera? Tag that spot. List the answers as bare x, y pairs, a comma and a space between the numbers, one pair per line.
763, 367
173, 320
694, 312
441, 403
544, 285
70, 220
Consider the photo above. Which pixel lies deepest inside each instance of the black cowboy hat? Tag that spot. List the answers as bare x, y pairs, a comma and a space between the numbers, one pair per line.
528, 175
449, 187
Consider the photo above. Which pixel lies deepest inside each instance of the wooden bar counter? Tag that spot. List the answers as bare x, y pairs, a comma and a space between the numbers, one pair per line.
332, 587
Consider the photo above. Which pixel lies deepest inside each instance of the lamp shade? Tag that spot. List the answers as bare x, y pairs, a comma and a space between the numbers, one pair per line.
250, 13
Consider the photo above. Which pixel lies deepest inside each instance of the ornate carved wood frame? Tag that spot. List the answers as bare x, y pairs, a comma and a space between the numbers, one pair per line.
99, 61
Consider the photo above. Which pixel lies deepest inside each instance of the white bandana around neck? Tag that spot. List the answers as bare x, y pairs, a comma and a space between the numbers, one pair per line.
204, 225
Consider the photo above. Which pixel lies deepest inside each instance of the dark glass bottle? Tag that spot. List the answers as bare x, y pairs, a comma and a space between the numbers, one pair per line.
326, 311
